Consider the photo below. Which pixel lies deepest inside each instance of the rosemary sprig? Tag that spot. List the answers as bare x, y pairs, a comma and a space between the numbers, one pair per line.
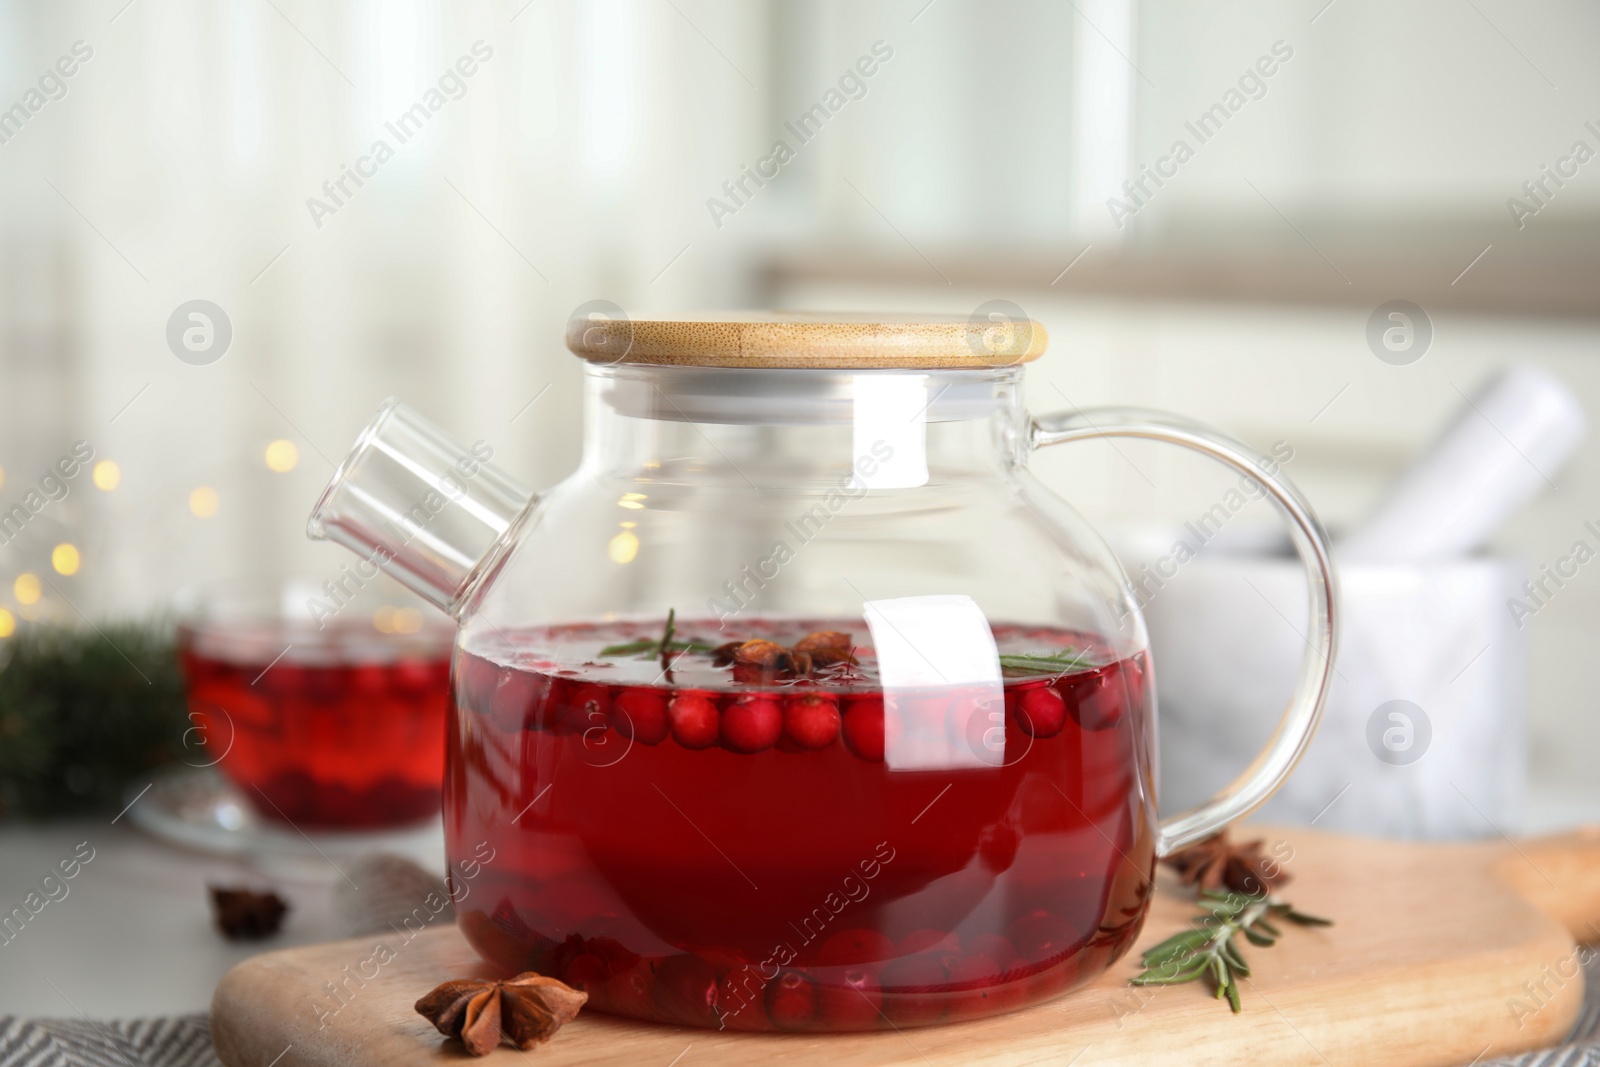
649, 648
667, 630
1062, 662
1210, 952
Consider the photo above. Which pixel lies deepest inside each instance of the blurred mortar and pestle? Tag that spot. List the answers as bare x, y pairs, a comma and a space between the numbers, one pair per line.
1423, 736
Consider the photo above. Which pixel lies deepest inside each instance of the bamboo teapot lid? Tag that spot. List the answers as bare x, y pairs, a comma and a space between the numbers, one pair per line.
810, 340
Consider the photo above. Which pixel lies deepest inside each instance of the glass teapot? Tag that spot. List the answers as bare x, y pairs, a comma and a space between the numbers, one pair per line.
801, 704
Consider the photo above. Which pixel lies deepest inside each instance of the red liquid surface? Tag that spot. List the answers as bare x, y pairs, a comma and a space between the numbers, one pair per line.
347, 740
734, 852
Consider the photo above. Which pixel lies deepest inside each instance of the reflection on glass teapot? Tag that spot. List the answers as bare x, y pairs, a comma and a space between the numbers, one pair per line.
801, 704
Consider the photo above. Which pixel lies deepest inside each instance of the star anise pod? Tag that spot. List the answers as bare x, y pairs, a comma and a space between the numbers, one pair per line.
821, 649
524, 1010
1216, 862
243, 914
760, 653
826, 647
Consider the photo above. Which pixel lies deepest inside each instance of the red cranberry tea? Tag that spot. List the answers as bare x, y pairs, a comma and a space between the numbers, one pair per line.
716, 834
343, 731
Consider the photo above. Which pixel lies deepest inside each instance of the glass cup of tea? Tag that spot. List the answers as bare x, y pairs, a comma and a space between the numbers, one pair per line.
324, 703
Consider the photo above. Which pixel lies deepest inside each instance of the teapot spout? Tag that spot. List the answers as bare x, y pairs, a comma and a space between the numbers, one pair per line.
431, 513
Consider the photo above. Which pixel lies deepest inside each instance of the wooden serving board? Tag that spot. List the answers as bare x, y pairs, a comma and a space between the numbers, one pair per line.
1432, 947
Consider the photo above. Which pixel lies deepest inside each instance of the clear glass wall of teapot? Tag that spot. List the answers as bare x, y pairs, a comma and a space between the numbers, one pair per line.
801, 704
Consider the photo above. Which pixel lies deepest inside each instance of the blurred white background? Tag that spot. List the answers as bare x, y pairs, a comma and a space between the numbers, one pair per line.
577, 163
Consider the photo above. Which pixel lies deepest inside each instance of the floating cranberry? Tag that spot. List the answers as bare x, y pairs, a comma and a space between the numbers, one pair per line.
863, 728
1097, 698
641, 714
856, 946
587, 707
694, 720
811, 721
752, 724
792, 1001
854, 1002
1041, 712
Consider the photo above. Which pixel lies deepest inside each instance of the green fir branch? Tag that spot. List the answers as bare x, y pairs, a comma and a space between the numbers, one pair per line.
84, 712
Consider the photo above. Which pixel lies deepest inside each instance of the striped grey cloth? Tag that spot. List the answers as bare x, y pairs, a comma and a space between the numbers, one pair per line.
181, 1041
185, 1040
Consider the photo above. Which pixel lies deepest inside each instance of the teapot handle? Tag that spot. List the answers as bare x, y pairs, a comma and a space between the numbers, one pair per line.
1299, 722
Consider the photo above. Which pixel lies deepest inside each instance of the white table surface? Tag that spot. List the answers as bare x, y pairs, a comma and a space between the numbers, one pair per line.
134, 935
